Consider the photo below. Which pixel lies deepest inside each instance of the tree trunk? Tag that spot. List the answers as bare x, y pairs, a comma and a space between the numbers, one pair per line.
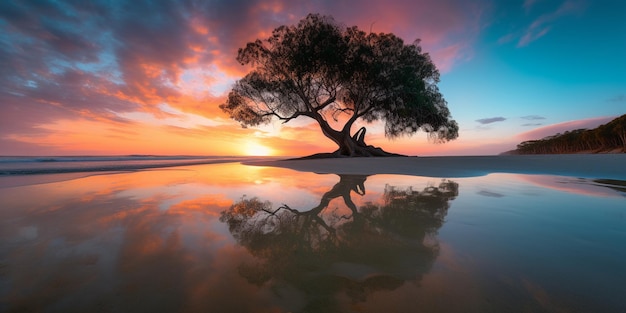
349, 146
355, 146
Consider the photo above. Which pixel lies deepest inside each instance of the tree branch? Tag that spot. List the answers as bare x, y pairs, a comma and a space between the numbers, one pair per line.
326, 103
286, 119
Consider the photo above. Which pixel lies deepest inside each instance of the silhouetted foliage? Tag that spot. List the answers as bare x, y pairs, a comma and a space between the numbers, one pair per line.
607, 137
322, 70
374, 247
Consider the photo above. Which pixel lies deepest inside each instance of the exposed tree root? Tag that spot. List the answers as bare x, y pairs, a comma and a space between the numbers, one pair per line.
354, 146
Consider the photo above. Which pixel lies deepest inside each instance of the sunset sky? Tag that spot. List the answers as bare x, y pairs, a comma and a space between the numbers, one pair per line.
146, 77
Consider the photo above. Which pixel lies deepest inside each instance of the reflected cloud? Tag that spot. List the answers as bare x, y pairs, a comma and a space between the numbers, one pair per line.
582, 186
487, 193
113, 242
337, 247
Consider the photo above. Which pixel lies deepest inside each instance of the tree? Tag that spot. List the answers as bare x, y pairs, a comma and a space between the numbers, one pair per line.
321, 70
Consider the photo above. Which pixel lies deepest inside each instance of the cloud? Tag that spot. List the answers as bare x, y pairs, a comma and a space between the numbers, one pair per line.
554, 129
618, 98
445, 58
506, 38
532, 35
528, 4
99, 61
491, 194
541, 25
532, 124
490, 120
533, 117
447, 28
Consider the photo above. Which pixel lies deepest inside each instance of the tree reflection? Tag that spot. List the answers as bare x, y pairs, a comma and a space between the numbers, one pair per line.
320, 253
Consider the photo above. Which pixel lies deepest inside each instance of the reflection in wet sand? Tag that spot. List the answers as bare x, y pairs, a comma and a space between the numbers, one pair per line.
120, 243
153, 241
323, 254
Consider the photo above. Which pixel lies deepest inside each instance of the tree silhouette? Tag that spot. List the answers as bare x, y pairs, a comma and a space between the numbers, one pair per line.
320, 70
375, 247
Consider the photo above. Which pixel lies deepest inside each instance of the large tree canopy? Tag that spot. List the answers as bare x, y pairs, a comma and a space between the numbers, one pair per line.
322, 70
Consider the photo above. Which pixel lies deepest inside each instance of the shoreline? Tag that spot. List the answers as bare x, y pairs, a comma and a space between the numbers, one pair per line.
64, 167
594, 166
589, 166
34, 175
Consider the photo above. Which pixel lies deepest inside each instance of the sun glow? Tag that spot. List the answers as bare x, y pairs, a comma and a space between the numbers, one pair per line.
256, 149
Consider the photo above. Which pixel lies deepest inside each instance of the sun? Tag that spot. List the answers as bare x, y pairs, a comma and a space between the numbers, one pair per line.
255, 149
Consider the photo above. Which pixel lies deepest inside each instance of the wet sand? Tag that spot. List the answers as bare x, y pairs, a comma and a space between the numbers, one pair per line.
609, 166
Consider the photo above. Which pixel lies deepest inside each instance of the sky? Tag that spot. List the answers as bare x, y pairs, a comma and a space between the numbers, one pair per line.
147, 77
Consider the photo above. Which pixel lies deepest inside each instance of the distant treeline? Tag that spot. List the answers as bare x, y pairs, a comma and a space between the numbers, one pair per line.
610, 137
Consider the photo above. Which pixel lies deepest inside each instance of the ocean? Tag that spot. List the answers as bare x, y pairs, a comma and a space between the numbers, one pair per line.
29, 165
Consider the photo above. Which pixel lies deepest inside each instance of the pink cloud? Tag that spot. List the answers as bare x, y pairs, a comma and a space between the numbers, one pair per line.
553, 129
446, 57
152, 70
446, 29
92, 63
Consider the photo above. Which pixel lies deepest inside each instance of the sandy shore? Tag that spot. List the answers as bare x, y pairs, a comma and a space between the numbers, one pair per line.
608, 166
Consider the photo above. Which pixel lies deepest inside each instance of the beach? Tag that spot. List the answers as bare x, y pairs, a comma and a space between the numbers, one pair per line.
610, 166
19, 171
29, 170
445, 234
313, 156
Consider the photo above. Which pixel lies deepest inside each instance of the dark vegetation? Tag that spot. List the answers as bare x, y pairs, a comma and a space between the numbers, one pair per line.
339, 75
610, 137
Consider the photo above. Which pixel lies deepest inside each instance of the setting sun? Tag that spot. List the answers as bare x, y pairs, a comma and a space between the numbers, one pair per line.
255, 149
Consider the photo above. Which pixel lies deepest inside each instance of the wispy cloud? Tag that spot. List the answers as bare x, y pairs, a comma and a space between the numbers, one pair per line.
491, 194
446, 57
507, 38
532, 35
490, 120
618, 98
529, 3
542, 24
533, 117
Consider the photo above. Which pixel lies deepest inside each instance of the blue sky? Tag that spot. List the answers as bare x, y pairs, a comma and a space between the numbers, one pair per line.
568, 68
146, 77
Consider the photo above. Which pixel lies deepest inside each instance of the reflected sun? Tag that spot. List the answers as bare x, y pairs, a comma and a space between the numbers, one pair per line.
255, 149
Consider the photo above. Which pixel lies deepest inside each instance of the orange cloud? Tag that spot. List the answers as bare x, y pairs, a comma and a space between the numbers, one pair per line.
185, 62
210, 205
93, 137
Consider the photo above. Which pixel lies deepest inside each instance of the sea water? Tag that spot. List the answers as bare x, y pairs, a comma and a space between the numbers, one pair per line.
24, 165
